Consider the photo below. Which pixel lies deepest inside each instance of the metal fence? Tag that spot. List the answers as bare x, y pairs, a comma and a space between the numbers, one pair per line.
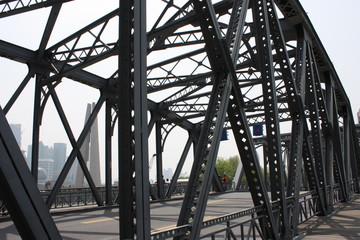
246, 224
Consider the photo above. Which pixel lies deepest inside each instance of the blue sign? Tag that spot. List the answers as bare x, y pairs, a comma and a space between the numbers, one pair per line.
258, 130
224, 135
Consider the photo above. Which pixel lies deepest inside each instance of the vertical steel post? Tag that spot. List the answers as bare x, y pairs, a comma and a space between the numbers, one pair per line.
140, 122
134, 206
313, 95
327, 133
266, 67
355, 153
266, 167
297, 130
108, 150
125, 141
339, 173
329, 154
36, 129
159, 161
347, 150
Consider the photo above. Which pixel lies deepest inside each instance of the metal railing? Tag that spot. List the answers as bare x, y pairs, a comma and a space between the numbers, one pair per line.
309, 206
247, 224
76, 197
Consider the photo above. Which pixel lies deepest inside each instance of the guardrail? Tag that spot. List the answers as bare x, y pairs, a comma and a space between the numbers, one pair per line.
76, 197
247, 224
71, 197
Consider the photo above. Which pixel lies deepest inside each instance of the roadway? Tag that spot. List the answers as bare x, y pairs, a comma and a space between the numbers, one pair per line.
103, 223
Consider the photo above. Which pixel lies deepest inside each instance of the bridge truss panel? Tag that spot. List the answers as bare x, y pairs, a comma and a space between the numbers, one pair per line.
203, 66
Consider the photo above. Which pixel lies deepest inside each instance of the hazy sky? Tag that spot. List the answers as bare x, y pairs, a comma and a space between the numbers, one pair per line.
336, 23
338, 26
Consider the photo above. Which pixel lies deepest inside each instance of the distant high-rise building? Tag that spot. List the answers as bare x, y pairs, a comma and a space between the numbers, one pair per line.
56, 154
16, 129
28, 156
48, 166
90, 153
42, 177
44, 152
70, 178
59, 156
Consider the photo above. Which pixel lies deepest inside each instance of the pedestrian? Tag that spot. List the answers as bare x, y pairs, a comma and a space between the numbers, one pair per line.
224, 179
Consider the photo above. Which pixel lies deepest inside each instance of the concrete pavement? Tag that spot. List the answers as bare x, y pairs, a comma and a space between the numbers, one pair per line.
343, 223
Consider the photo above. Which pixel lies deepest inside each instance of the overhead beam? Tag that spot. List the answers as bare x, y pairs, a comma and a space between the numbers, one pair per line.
13, 7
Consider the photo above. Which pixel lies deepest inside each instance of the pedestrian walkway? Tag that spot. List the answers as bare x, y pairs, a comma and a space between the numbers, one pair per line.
343, 223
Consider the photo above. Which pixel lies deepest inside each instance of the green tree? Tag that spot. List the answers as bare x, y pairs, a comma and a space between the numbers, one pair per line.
227, 167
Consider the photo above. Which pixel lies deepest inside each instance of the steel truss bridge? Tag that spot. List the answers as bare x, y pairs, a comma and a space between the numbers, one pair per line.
204, 67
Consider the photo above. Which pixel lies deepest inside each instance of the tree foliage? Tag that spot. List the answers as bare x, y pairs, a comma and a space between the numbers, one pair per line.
227, 167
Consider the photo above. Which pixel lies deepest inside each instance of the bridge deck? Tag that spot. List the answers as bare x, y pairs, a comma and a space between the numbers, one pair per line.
103, 223
343, 223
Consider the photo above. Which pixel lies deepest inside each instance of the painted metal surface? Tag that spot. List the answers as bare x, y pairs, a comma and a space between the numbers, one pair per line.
226, 65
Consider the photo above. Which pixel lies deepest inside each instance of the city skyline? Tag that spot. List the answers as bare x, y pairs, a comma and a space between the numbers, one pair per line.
57, 153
